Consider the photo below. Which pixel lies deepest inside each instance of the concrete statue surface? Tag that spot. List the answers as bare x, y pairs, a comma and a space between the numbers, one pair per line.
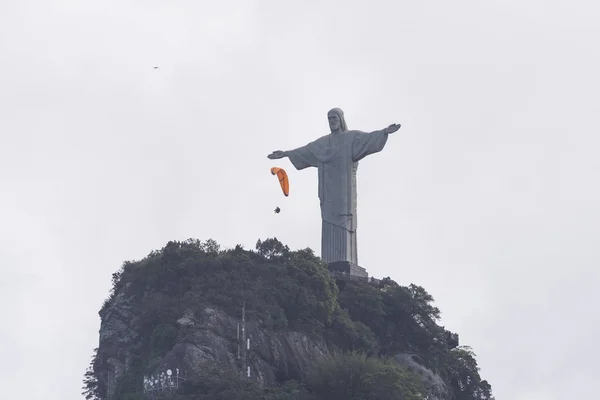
336, 157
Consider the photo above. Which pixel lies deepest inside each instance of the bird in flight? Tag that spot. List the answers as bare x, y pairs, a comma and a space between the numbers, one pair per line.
155, 67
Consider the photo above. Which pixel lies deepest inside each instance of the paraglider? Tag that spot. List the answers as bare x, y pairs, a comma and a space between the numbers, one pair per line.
283, 180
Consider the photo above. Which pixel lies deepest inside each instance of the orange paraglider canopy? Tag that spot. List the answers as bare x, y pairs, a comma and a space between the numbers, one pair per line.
283, 179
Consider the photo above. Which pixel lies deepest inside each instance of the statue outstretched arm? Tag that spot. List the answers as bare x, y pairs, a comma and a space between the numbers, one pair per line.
372, 142
277, 154
392, 128
302, 157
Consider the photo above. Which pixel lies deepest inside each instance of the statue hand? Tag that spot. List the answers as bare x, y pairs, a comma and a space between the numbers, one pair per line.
277, 154
392, 128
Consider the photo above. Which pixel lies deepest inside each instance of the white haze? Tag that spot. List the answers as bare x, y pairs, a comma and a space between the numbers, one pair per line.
487, 196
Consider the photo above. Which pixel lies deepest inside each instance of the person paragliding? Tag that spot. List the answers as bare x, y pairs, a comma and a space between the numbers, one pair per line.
283, 182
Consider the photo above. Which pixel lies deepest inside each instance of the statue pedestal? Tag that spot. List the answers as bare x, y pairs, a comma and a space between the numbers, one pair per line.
346, 267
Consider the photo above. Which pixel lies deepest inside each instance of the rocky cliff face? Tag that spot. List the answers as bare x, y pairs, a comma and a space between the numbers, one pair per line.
117, 339
211, 337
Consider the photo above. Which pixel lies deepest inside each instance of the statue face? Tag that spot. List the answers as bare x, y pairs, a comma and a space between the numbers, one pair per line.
334, 122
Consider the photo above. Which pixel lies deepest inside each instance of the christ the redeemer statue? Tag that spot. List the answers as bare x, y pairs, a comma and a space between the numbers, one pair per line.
336, 156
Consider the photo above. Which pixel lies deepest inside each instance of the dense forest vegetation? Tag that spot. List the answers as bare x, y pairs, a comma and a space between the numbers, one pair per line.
365, 322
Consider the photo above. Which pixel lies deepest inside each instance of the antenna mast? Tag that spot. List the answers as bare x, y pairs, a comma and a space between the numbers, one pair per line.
244, 346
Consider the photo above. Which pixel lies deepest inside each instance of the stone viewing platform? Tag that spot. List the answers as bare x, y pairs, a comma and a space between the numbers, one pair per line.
348, 268
349, 271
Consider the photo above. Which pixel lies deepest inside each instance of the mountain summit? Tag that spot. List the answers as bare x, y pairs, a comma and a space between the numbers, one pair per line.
194, 321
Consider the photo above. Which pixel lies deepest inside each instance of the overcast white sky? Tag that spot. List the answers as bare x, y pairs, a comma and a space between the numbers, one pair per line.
487, 196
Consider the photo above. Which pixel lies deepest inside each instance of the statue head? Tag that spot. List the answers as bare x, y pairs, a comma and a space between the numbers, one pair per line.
337, 123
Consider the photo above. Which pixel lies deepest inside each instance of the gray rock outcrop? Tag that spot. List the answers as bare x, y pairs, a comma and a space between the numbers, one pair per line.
212, 337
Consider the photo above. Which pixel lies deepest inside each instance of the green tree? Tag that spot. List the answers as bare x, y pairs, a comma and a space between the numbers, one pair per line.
271, 248
90, 382
354, 376
217, 382
463, 375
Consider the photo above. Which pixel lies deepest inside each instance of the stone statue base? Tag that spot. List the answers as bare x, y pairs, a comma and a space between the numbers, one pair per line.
347, 267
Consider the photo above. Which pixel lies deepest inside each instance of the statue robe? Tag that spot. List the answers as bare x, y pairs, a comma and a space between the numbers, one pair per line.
336, 156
